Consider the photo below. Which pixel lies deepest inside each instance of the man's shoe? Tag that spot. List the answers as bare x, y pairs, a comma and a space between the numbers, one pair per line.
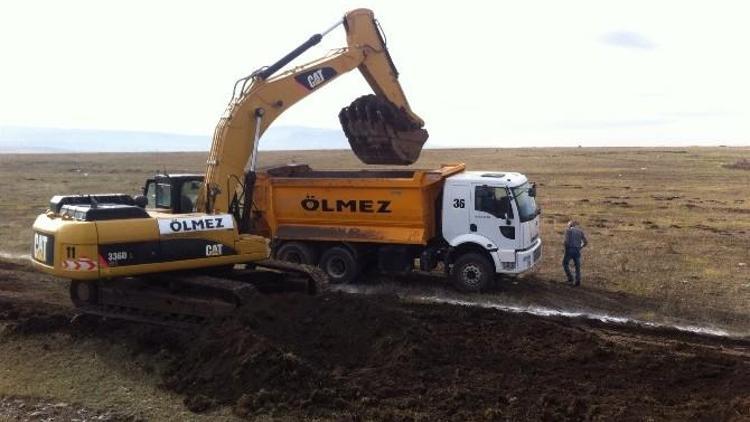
577, 284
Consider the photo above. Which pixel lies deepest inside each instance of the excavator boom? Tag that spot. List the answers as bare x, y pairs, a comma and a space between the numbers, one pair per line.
381, 128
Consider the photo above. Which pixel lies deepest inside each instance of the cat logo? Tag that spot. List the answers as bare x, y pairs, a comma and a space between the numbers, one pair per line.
315, 77
214, 250
40, 247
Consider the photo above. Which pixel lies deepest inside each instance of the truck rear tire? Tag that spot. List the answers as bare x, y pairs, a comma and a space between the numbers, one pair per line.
340, 264
472, 272
297, 253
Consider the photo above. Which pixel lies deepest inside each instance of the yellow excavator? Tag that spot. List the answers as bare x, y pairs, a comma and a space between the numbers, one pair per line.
172, 253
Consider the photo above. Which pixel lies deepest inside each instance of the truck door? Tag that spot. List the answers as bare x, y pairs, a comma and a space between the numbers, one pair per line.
456, 205
493, 216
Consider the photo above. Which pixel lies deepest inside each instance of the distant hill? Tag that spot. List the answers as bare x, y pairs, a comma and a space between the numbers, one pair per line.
50, 140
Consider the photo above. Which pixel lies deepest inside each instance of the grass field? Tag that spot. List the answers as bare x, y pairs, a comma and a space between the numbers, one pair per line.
670, 225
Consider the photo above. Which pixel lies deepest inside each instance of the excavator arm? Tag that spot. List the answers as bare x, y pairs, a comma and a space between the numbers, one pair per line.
381, 128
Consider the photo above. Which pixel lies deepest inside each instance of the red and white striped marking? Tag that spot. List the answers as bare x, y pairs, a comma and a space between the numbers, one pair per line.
80, 264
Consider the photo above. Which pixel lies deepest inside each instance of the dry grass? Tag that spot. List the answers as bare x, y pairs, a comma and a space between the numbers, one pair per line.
666, 224
741, 164
95, 373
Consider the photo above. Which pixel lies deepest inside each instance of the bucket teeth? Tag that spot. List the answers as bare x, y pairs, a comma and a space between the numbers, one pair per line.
381, 133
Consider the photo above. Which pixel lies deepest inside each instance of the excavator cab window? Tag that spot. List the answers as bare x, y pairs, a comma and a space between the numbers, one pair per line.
163, 194
150, 192
158, 192
189, 194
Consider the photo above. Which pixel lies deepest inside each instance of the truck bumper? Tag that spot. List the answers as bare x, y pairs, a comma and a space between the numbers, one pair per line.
525, 259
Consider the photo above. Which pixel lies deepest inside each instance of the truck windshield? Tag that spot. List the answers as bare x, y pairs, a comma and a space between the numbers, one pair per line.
526, 203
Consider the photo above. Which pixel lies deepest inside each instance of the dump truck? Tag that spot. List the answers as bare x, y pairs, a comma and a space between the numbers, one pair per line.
472, 224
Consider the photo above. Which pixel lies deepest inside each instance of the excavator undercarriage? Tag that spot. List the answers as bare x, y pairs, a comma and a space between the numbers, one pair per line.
185, 299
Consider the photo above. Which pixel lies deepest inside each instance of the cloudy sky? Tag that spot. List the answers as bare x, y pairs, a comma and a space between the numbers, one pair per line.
494, 73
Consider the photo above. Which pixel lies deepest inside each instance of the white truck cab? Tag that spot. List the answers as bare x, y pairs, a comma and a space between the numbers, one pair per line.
492, 215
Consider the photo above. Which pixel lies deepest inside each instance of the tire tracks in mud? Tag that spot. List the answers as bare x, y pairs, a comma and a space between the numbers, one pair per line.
14, 257
576, 310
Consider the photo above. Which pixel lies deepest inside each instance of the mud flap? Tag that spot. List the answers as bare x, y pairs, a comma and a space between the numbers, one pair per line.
381, 133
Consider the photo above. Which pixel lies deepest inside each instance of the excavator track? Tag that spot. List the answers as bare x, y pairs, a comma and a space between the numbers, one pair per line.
316, 279
184, 300
381, 133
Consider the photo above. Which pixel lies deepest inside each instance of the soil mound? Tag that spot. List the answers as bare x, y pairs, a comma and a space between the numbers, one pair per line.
338, 355
295, 354
342, 356
18, 318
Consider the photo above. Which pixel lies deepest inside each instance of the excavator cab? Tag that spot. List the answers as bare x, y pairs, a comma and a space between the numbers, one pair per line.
173, 193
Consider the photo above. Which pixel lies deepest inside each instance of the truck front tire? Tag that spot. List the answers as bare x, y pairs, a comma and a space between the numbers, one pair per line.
340, 264
297, 253
472, 272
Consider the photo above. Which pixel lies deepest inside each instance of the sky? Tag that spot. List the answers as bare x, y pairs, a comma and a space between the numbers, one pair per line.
480, 73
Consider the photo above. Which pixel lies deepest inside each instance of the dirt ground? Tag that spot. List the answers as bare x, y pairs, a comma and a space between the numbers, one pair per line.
349, 356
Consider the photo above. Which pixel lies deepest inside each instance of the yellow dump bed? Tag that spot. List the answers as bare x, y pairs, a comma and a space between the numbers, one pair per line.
378, 206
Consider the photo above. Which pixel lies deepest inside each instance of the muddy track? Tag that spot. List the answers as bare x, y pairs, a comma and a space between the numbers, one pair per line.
34, 409
339, 355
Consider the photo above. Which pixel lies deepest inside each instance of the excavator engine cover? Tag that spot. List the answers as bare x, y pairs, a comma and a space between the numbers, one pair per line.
381, 133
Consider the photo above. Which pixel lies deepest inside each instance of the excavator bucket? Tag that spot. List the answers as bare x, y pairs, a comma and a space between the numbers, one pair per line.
381, 133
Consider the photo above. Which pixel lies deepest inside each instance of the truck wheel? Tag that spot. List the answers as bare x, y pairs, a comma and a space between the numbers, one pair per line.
472, 272
297, 253
84, 293
340, 264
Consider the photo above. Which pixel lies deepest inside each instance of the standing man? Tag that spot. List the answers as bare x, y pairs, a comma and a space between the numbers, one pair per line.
574, 241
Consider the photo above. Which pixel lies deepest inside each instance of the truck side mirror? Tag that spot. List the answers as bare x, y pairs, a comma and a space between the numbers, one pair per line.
532, 190
507, 220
